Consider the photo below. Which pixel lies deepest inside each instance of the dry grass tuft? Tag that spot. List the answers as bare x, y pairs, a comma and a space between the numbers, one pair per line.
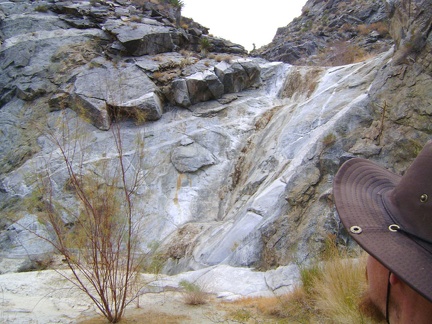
330, 292
193, 293
339, 290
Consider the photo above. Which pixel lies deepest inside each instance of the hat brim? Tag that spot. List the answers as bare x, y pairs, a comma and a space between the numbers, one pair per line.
358, 190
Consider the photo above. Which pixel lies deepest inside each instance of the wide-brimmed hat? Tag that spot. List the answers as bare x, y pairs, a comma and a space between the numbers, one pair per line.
390, 216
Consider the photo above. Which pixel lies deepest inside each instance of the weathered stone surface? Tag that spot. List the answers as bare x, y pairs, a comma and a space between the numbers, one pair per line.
411, 35
92, 108
212, 84
244, 181
141, 39
233, 76
191, 157
204, 86
220, 45
24, 245
199, 87
340, 30
237, 76
109, 89
18, 133
180, 93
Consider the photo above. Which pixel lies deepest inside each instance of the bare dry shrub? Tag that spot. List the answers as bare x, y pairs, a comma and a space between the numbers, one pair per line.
346, 27
165, 77
223, 58
329, 140
381, 27
99, 242
342, 53
363, 29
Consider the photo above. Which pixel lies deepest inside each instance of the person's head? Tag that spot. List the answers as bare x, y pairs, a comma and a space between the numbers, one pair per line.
390, 216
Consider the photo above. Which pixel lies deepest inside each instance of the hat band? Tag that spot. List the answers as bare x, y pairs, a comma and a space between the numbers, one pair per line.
395, 227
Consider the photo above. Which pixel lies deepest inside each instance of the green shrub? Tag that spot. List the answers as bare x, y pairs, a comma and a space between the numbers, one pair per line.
176, 3
193, 293
41, 8
205, 44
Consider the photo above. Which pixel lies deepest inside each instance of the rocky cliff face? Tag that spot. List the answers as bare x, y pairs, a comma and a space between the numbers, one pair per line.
239, 152
332, 33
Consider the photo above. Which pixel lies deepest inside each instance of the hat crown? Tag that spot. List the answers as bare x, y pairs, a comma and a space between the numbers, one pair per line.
410, 202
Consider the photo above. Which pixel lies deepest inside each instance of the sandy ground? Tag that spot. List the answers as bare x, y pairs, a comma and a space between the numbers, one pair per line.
47, 297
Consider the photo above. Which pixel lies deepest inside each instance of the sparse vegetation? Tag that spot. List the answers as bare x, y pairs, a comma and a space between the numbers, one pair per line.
135, 18
193, 293
329, 140
241, 315
341, 53
155, 260
205, 45
176, 3
223, 58
380, 27
330, 292
99, 242
41, 8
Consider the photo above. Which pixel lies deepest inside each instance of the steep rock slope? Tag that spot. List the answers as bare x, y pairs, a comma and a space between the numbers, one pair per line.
240, 178
332, 33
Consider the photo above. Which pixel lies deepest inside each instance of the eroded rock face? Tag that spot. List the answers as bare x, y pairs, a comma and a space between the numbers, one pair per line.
238, 76
43, 52
190, 157
244, 175
150, 38
410, 27
106, 89
331, 33
213, 83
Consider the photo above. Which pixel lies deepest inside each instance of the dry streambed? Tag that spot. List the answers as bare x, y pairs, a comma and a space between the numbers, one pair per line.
47, 297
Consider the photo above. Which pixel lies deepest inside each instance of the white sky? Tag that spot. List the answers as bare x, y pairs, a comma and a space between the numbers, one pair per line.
243, 22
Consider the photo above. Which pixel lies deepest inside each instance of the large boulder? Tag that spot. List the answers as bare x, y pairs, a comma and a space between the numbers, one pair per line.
107, 90
145, 38
239, 75
198, 87
225, 77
